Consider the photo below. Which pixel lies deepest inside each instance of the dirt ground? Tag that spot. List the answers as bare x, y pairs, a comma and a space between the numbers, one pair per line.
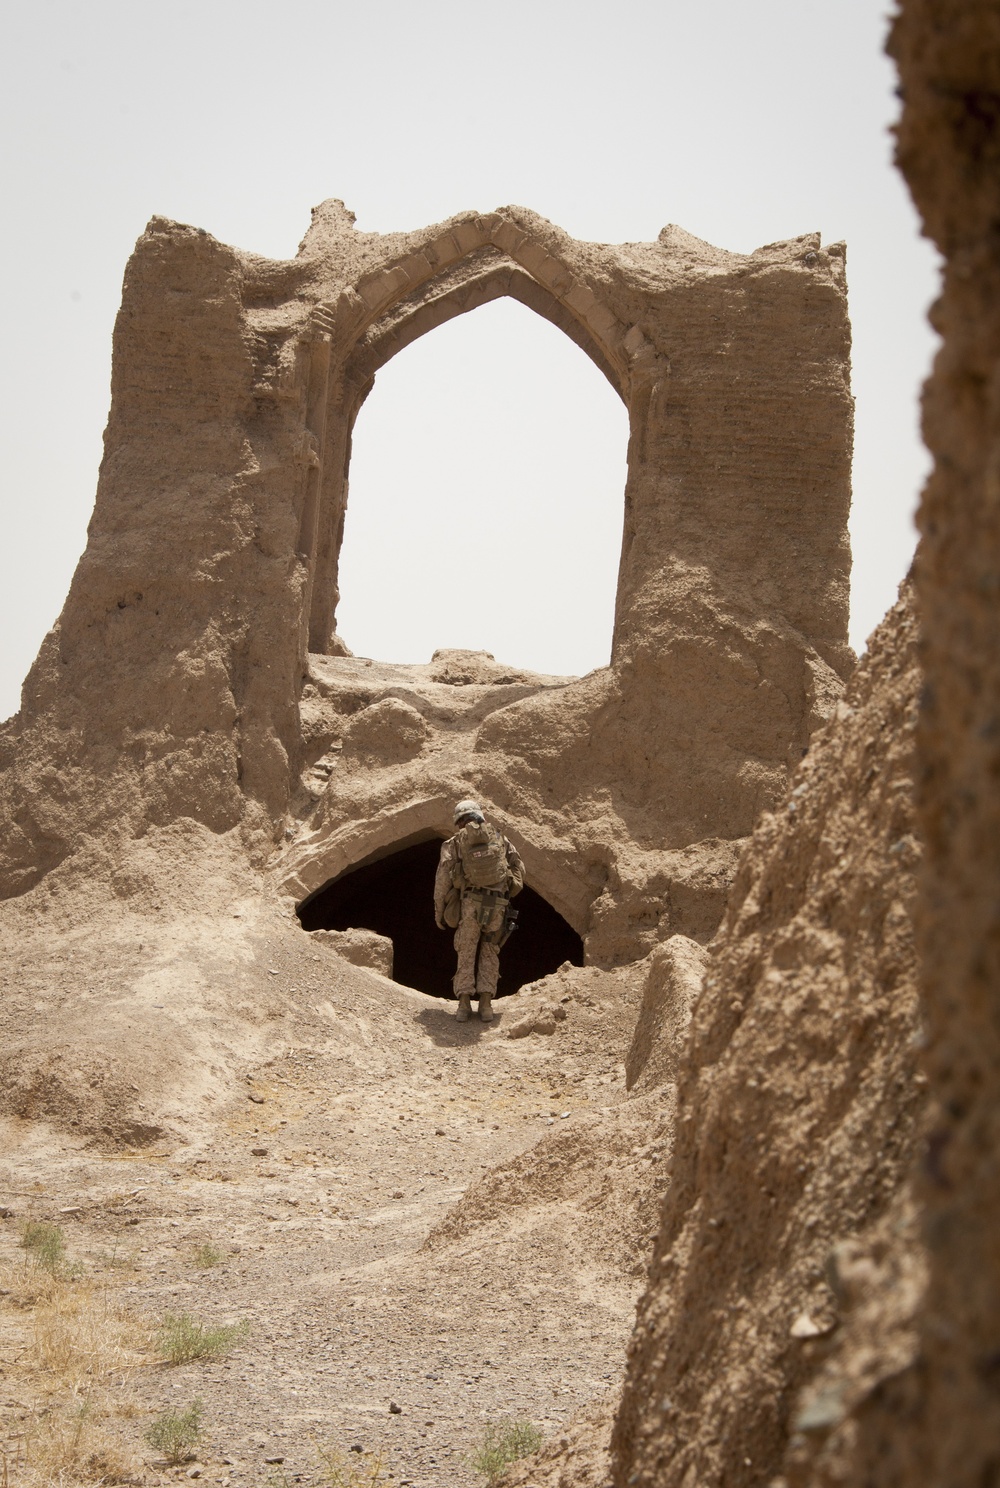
413, 1218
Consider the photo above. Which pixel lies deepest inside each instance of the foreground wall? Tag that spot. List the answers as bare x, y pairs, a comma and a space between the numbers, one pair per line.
799, 1115
825, 1309
949, 149
173, 686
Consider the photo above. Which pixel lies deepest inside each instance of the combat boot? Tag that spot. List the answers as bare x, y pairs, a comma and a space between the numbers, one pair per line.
464, 1012
486, 1007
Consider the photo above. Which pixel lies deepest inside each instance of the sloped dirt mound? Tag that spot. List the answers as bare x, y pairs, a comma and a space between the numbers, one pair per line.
608, 1168
599, 1174
798, 1119
127, 1019
673, 982
313, 1122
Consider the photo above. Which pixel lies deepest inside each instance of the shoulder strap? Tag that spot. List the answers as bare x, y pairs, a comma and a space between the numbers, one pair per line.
457, 876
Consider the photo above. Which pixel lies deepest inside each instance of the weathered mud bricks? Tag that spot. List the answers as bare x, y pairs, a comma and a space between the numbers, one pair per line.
210, 577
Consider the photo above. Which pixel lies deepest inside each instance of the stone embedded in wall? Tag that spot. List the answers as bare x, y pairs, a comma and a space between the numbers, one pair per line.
361, 947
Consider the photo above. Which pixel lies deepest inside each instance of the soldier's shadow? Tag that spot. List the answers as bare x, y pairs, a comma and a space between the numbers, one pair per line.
440, 1025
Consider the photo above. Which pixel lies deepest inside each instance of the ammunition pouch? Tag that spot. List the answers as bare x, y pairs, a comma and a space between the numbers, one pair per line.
490, 908
509, 925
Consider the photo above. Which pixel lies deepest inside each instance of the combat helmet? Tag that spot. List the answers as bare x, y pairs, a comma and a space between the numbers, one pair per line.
467, 808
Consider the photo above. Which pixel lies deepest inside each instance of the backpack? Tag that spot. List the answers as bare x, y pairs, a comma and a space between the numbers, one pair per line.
482, 852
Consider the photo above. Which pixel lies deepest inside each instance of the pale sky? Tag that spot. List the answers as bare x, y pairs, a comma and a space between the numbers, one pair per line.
493, 440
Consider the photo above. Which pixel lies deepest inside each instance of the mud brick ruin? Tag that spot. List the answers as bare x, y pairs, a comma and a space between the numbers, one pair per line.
198, 650
728, 1159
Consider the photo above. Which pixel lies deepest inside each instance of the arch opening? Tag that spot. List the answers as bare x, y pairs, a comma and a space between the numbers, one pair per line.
481, 277
506, 451
394, 897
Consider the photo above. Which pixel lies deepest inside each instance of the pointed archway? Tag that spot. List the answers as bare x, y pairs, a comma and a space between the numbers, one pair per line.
473, 261
490, 452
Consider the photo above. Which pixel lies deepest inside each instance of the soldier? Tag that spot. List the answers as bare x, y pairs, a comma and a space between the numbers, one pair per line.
478, 875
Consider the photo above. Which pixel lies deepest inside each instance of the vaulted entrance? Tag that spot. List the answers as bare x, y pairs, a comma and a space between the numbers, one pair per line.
394, 897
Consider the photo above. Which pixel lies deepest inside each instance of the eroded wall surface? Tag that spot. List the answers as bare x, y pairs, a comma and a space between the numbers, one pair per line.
838, 1320
195, 672
800, 1109
949, 150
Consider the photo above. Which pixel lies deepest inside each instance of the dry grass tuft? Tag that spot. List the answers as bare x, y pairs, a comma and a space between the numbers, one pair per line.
83, 1334
343, 1470
503, 1444
208, 1255
45, 1242
70, 1446
182, 1338
177, 1433
69, 1340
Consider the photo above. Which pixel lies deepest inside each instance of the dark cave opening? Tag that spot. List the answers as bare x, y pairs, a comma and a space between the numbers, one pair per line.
395, 897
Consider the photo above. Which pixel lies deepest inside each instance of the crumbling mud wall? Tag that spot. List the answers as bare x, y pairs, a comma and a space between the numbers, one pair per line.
847, 1330
195, 672
949, 150
159, 695
799, 1114
394, 747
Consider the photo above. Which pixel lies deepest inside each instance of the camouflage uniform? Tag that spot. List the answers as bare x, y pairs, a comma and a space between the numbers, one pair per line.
472, 979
